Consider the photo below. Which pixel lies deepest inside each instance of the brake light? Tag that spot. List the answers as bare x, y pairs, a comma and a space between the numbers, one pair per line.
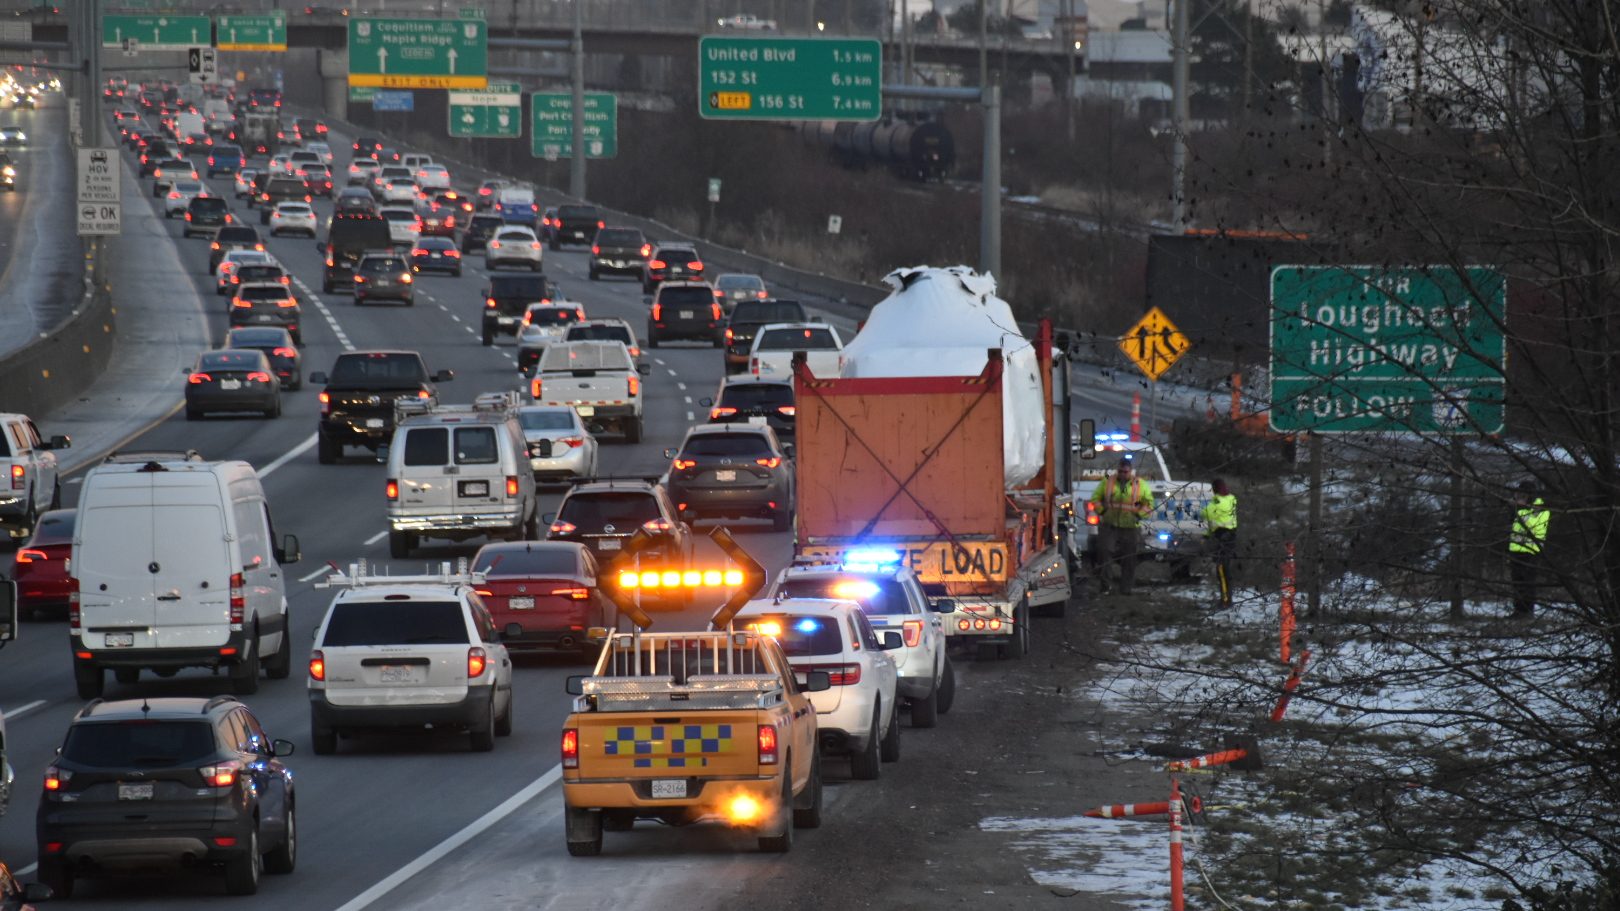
30, 554
761, 295
730, 336
657, 264
842, 674
753, 366
657, 526
287, 303
534, 387
489, 302
174, 194
317, 665
475, 663
634, 385
19, 477
646, 249
657, 312
595, 250
535, 245
238, 600
423, 394
787, 411
695, 266
326, 403
722, 411
573, 593
768, 462
714, 310
55, 778
511, 485
570, 748
573, 442
258, 376
391, 489
911, 631
563, 528
213, 245
767, 744
685, 463
240, 304
418, 251
222, 775
196, 378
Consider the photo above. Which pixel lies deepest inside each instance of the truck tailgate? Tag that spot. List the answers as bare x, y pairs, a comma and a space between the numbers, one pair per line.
710, 744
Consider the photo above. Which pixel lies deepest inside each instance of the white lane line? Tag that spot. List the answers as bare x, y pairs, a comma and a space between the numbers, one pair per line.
690, 416
671, 372
688, 399
680, 386
337, 329
455, 317
441, 850
323, 569
26, 870
289, 455
376, 537
659, 361
13, 713
447, 309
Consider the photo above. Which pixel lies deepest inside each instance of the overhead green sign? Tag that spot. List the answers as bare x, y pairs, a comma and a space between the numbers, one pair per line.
551, 125
363, 94
157, 32
471, 12
252, 33
418, 53
1374, 348
790, 78
494, 113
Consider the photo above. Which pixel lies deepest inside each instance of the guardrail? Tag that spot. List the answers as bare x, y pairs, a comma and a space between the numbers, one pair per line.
55, 368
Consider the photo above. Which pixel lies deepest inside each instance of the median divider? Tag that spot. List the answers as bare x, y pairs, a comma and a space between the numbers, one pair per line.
56, 367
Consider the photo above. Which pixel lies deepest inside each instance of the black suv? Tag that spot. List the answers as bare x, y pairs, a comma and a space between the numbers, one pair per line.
575, 225
747, 317
603, 514
352, 233
479, 230
507, 299
283, 189
232, 237
204, 214
357, 405
143, 783
619, 251
685, 310
744, 398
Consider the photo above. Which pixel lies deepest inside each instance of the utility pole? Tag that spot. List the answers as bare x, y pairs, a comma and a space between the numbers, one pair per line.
1067, 37
984, 48
990, 186
1248, 57
576, 165
905, 42
1178, 164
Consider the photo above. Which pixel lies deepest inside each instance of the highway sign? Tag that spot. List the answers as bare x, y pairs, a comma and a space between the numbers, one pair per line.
98, 176
362, 94
393, 100
156, 32
418, 53
495, 113
1375, 348
714, 189
551, 125
790, 78
100, 219
252, 33
1154, 344
203, 65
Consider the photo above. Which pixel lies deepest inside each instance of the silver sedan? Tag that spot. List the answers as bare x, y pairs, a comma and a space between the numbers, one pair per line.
560, 448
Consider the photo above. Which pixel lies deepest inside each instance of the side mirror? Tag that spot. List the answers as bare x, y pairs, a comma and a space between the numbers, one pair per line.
644, 369
548, 518
892, 640
282, 747
382, 455
318, 378
320, 248
943, 606
1085, 438
8, 611
669, 453
706, 402
38, 892
818, 681
61, 441
289, 550
647, 299
444, 376
576, 685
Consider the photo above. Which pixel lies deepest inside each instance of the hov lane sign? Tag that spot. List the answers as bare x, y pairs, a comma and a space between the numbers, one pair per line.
203, 65
100, 219
1154, 343
98, 176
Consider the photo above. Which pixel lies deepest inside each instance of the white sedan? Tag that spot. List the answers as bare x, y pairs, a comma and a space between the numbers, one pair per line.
399, 189
281, 163
362, 171
321, 149
244, 182
180, 195
513, 245
235, 259
404, 225
292, 217
433, 177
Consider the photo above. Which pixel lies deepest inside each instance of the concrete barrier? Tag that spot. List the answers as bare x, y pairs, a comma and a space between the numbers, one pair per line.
55, 368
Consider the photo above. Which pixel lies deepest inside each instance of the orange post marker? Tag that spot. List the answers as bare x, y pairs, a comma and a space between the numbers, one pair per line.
1224, 757
1287, 610
1177, 900
1289, 685
1121, 810
1136, 416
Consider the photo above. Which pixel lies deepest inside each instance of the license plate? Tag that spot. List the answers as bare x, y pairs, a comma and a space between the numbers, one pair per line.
579, 234
139, 790
520, 602
726, 474
120, 640
398, 674
669, 787
475, 488
374, 423
686, 314
585, 411
608, 543
507, 320
230, 384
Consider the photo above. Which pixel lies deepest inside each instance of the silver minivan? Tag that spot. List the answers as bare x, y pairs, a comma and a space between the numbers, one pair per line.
458, 472
177, 564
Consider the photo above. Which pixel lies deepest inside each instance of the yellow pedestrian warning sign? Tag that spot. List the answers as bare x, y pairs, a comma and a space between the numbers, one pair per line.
1154, 343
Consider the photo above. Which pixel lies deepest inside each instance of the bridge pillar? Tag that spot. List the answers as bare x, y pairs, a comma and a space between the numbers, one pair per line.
334, 68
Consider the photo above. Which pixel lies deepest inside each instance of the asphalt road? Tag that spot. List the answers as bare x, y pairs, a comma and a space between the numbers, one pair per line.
37, 242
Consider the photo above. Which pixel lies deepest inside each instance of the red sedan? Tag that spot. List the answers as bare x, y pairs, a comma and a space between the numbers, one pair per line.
543, 595
41, 570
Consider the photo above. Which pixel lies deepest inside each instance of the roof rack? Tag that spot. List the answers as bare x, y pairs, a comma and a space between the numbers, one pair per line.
495, 403
215, 702
360, 575
152, 457
627, 479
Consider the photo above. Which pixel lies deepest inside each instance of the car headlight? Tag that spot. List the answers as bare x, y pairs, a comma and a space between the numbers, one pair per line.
10, 171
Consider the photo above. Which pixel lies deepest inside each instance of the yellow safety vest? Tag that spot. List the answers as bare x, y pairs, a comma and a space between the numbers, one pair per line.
1123, 507
1529, 529
1221, 512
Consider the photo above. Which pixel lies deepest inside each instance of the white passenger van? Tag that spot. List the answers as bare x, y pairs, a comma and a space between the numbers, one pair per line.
177, 565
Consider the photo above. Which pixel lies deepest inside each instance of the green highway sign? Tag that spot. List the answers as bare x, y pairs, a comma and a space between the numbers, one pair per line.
1373, 348
471, 12
157, 32
252, 33
363, 94
790, 78
551, 125
494, 113
418, 53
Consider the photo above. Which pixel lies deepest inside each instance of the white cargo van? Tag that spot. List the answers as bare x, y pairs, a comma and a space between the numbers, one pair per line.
177, 565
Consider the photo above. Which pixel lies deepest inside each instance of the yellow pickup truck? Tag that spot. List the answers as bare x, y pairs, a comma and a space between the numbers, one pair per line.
691, 727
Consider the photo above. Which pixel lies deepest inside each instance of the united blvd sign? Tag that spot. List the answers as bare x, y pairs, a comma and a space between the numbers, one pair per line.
495, 113
1370, 348
253, 33
551, 125
157, 33
790, 78
419, 53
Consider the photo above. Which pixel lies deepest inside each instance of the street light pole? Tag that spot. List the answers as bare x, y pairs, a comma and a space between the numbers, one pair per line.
1178, 191
576, 166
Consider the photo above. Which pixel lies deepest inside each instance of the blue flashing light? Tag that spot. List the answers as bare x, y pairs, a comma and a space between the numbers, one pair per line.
1164, 536
873, 557
807, 625
1119, 436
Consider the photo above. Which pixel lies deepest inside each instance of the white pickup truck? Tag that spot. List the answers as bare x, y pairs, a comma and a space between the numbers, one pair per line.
1174, 534
775, 344
598, 379
28, 482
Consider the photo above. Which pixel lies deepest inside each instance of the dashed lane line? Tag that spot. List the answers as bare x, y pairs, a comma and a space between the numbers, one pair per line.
289, 455
21, 709
376, 537
320, 305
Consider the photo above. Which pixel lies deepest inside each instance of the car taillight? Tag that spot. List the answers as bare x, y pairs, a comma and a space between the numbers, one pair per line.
753, 366
633, 383
570, 748
657, 312
573, 593
842, 674
761, 295
535, 245
511, 485
534, 387
213, 245
911, 630
573, 442
30, 554
695, 266
287, 303
475, 663
423, 394
238, 600
317, 665
767, 744
19, 477
657, 526
768, 462
453, 253
595, 250
721, 412
240, 304
222, 775
489, 303
563, 528
326, 403
391, 489
730, 336
534, 207
73, 604
418, 251
787, 411
198, 378
646, 249
714, 310
258, 376
55, 778
285, 352
681, 464
174, 194
657, 264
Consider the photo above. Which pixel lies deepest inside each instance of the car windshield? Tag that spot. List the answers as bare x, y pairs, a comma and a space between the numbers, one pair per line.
877, 597
768, 312
800, 636
697, 295
208, 204
533, 287
618, 237
599, 333
56, 527
485, 222
259, 273
288, 208
535, 559
797, 339
586, 356
383, 265
752, 395
230, 360
739, 283
676, 255
239, 235
579, 212
624, 511
399, 215
140, 744
552, 316
355, 623
257, 338
378, 371
726, 444
187, 186
549, 419
514, 236
264, 293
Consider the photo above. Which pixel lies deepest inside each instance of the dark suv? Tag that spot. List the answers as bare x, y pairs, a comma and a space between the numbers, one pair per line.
670, 264
574, 225
145, 783
603, 514
745, 398
283, 189
685, 310
384, 276
357, 405
619, 251
507, 299
232, 237
747, 317
204, 214
735, 470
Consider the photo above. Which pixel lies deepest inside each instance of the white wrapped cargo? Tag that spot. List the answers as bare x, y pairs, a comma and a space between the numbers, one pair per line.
942, 322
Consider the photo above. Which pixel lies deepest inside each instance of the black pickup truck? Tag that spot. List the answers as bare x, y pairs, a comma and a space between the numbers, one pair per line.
575, 225
353, 233
357, 405
508, 297
746, 319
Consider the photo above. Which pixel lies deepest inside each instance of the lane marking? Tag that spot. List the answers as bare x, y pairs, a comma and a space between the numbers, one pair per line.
21, 709
71, 481
659, 361
441, 850
25, 870
320, 305
680, 386
376, 537
289, 455
688, 399
454, 317
323, 569
690, 416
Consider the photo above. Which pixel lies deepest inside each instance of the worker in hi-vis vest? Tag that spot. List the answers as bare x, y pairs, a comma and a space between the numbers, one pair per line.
1122, 502
1526, 540
1220, 536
